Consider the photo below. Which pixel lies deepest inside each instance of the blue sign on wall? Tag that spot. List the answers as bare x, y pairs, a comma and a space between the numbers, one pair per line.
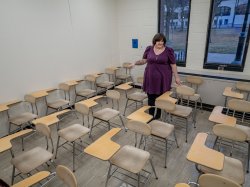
134, 43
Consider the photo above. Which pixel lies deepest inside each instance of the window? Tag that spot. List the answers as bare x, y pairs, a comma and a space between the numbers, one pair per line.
228, 35
174, 24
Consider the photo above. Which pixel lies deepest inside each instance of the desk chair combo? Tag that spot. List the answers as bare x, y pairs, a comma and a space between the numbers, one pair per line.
87, 92
26, 162
103, 83
221, 165
157, 129
19, 114
187, 94
235, 134
242, 106
126, 158
124, 76
107, 114
171, 109
211, 180
243, 87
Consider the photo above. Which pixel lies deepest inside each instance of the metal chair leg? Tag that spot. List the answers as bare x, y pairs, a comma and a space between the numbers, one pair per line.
57, 146
74, 156
153, 168
248, 157
138, 175
125, 107
166, 152
176, 140
108, 176
186, 129
13, 175
91, 128
123, 123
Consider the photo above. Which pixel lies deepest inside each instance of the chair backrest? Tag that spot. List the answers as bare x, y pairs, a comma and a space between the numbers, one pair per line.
185, 90
239, 105
110, 71
211, 180
82, 108
139, 127
229, 132
165, 105
194, 80
113, 94
30, 99
243, 86
66, 176
127, 64
90, 78
64, 87
45, 130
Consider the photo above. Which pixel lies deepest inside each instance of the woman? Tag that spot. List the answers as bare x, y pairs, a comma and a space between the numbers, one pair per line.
158, 72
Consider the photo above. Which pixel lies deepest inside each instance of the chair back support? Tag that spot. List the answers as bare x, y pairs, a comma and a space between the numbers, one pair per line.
139, 127
239, 105
243, 86
208, 180
165, 105
185, 90
66, 176
44, 129
229, 132
82, 108
30, 99
63, 86
113, 94
110, 71
194, 80
127, 64
90, 78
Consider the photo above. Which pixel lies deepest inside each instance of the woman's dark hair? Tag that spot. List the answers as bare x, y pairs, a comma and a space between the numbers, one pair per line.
159, 37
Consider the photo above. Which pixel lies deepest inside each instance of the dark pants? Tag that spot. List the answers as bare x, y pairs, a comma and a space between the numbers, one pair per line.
151, 102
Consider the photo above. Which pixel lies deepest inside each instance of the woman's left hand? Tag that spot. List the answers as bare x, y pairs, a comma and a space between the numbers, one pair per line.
178, 80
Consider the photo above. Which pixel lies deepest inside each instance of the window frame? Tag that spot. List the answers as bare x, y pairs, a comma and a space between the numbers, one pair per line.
178, 63
227, 67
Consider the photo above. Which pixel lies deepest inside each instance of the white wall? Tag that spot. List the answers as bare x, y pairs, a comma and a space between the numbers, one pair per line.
139, 19
44, 42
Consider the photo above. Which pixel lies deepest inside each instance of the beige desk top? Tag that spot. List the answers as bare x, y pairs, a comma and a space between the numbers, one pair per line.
50, 119
140, 115
5, 143
229, 93
34, 179
124, 86
71, 82
104, 148
166, 96
200, 154
5, 106
91, 101
182, 185
217, 117
41, 93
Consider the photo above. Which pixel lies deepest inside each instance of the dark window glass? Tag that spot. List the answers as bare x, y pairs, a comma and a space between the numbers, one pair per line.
228, 36
174, 24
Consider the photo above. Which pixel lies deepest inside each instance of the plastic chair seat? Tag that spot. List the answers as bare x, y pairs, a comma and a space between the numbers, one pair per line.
130, 158
86, 92
29, 160
182, 111
161, 129
106, 114
233, 169
58, 103
137, 96
22, 118
73, 132
105, 84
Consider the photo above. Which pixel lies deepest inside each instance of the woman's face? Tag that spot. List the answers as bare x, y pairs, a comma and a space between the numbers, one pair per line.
159, 44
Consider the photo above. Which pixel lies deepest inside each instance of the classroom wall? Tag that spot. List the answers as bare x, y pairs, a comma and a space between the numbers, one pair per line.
139, 19
45, 42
